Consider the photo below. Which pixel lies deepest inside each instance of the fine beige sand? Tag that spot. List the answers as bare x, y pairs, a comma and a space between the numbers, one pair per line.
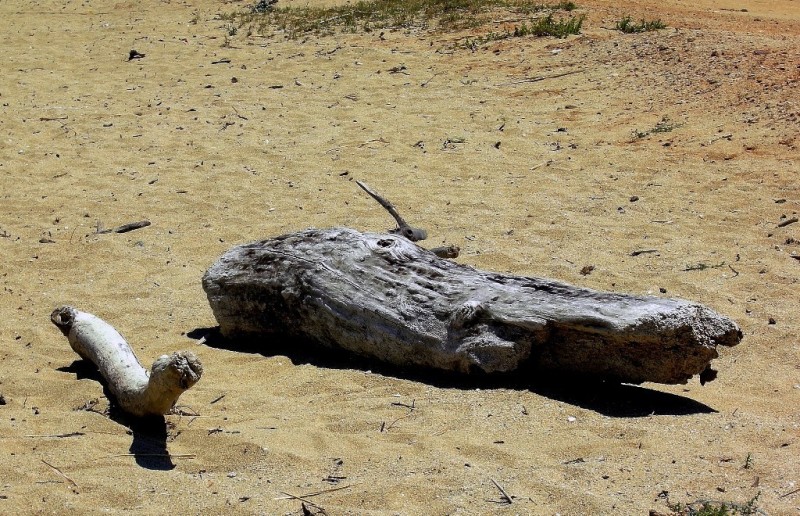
219, 141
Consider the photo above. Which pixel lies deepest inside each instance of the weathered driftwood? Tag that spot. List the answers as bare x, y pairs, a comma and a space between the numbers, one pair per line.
136, 391
382, 296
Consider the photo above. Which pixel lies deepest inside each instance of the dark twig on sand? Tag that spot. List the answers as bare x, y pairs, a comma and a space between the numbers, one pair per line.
539, 78
125, 227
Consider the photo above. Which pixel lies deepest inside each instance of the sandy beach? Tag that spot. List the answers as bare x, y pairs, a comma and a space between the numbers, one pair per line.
557, 158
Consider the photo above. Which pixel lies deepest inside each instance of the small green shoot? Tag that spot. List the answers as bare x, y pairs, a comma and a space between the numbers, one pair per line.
664, 126
627, 25
714, 508
545, 26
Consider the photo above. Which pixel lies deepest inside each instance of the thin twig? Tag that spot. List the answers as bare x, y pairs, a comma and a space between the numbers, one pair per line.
183, 410
790, 493
722, 137
290, 496
539, 78
503, 491
429, 80
386, 428
163, 455
309, 495
62, 474
374, 140
786, 222
70, 434
406, 405
411, 408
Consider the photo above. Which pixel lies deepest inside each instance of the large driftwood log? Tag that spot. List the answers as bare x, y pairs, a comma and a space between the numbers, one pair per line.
383, 296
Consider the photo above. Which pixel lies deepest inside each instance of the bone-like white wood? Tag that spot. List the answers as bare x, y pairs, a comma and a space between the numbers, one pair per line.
136, 391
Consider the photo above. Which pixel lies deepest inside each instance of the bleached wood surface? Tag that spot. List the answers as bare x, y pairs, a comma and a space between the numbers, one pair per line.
382, 296
136, 391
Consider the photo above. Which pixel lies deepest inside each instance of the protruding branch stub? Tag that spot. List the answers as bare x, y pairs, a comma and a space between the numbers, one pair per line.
403, 228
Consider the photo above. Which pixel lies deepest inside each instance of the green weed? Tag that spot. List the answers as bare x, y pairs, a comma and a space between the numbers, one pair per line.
627, 25
712, 508
370, 15
544, 26
664, 126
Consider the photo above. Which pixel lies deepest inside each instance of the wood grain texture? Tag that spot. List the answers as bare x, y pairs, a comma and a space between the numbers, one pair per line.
385, 297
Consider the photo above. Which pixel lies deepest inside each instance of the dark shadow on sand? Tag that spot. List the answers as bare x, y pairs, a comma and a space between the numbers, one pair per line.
607, 398
149, 445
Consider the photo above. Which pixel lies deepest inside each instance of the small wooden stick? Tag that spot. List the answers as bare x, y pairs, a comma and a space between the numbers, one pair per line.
287, 496
413, 234
60, 436
125, 227
505, 495
539, 78
163, 455
74, 485
790, 493
290, 496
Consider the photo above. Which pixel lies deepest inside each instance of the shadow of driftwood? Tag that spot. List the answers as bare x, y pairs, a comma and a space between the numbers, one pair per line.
149, 445
607, 398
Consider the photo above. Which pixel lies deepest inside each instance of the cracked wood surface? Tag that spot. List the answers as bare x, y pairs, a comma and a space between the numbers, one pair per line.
382, 296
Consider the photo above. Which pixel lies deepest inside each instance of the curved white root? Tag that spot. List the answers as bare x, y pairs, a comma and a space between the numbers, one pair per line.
136, 391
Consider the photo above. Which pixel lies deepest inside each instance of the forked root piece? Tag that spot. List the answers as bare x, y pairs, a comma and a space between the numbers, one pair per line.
136, 391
